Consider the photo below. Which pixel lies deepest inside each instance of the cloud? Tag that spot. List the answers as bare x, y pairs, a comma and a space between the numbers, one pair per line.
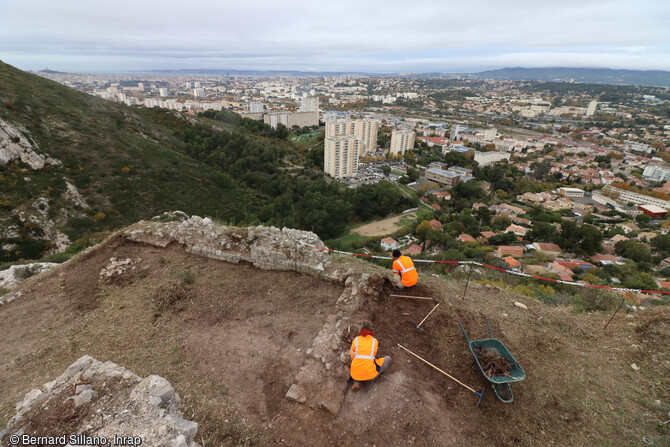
347, 35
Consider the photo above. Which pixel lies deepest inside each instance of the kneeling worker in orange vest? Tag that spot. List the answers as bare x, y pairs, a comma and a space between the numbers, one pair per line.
403, 266
364, 365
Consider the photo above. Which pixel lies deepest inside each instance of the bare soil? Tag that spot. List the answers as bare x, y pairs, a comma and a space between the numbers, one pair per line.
230, 338
381, 227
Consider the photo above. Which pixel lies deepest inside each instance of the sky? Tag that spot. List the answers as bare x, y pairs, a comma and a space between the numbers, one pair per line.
372, 36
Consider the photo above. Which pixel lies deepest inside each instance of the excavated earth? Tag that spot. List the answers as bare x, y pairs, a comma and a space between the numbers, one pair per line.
259, 357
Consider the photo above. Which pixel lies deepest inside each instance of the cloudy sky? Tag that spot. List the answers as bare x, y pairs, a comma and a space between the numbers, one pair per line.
341, 35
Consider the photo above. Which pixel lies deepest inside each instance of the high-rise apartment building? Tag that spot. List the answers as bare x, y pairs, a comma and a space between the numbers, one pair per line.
402, 141
341, 156
255, 107
455, 132
199, 92
591, 109
310, 104
365, 130
163, 92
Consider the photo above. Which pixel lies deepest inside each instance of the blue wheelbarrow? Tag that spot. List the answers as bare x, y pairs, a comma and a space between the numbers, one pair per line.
500, 383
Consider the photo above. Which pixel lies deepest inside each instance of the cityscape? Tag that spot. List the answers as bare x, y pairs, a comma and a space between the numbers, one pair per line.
370, 223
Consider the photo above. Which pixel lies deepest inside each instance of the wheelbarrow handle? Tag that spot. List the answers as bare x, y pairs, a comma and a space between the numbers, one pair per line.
464, 333
489, 325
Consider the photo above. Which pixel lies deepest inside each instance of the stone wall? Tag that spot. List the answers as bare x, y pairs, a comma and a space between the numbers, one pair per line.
104, 399
268, 248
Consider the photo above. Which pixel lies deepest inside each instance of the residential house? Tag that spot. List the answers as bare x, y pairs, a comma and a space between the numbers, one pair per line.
646, 235
389, 244
618, 238
547, 249
628, 226
466, 238
519, 231
521, 221
435, 224
514, 265
413, 250
442, 195
514, 251
606, 259
487, 234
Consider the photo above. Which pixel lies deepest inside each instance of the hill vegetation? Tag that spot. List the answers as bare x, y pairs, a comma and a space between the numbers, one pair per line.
130, 164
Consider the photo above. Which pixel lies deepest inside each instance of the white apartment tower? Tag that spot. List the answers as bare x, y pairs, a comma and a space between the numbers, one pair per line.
310, 104
402, 141
163, 92
255, 107
199, 92
341, 156
591, 109
490, 134
365, 130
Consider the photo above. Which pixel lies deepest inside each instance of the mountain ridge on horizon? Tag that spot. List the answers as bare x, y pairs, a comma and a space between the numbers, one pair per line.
652, 78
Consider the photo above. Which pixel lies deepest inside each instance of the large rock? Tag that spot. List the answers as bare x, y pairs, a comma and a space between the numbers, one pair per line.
14, 146
105, 399
13, 276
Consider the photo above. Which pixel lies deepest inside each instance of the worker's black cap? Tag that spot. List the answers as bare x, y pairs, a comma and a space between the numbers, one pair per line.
396, 253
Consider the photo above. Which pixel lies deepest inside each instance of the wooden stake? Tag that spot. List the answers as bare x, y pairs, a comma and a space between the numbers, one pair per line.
413, 297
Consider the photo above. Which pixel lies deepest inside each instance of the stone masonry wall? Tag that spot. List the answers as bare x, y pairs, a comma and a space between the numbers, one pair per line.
268, 248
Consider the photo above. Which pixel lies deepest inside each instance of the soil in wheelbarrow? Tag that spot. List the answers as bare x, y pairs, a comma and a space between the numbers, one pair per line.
493, 364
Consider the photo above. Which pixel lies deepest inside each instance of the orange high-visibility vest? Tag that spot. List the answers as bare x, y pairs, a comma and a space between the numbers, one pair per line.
363, 351
408, 273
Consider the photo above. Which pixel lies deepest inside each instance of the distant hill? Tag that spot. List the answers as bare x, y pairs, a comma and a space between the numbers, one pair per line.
48, 71
654, 78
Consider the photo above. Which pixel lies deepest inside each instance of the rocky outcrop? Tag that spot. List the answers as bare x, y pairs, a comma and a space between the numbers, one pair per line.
13, 276
72, 194
14, 146
96, 399
268, 248
37, 215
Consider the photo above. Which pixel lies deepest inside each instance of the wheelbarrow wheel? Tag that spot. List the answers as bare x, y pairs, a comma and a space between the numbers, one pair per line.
503, 392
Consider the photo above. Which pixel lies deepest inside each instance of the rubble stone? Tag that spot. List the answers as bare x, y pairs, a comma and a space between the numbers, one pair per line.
112, 401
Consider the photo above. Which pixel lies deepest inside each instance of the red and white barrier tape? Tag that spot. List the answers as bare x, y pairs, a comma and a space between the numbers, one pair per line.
510, 272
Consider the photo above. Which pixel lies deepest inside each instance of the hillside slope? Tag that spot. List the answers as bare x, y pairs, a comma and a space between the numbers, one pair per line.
234, 340
124, 167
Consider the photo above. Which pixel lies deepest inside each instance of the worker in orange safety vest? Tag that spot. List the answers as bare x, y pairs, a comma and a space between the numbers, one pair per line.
364, 364
403, 266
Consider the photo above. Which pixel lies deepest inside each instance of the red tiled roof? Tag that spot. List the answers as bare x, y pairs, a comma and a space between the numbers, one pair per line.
513, 263
436, 224
466, 238
545, 246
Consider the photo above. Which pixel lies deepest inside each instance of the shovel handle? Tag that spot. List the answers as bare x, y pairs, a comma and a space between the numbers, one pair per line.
426, 317
435, 367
